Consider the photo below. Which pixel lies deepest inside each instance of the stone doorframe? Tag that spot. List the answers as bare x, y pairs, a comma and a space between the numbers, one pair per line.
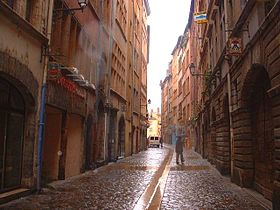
243, 170
21, 77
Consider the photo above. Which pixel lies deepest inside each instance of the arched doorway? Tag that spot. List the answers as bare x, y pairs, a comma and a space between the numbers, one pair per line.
262, 134
227, 136
121, 138
89, 143
143, 140
112, 134
12, 112
131, 137
99, 143
256, 100
213, 136
206, 134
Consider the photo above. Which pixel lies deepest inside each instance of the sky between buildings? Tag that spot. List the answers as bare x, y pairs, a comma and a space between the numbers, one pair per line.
168, 20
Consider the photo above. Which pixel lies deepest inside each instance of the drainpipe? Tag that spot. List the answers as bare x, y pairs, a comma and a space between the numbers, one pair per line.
132, 98
229, 93
109, 66
97, 72
43, 100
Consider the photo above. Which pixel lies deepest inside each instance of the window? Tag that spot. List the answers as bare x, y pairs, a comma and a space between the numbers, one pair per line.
11, 3
180, 111
180, 86
268, 5
243, 3
187, 86
28, 13
188, 112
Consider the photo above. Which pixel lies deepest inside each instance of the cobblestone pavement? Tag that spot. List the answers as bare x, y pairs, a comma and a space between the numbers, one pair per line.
115, 186
118, 186
198, 185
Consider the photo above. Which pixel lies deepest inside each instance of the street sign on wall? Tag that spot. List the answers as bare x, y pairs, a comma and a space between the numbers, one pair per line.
234, 46
53, 71
200, 17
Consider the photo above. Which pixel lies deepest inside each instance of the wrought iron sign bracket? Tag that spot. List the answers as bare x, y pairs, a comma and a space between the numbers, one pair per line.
246, 28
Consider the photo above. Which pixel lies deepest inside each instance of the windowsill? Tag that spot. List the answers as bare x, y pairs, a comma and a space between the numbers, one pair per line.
5, 10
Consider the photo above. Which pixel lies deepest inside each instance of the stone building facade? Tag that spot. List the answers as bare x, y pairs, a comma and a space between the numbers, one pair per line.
136, 84
22, 38
68, 81
236, 97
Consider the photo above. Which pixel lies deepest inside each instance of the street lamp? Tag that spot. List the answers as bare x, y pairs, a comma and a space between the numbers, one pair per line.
82, 4
149, 102
146, 105
192, 68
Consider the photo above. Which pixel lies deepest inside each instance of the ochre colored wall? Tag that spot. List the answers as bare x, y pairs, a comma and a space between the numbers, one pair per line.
74, 147
51, 144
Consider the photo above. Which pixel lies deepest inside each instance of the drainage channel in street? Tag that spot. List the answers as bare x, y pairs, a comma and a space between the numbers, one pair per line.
152, 196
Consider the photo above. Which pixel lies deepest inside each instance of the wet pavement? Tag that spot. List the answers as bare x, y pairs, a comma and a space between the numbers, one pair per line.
143, 182
198, 185
114, 186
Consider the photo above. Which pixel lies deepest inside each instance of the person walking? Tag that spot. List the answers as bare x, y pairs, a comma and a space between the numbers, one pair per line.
179, 150
161, 142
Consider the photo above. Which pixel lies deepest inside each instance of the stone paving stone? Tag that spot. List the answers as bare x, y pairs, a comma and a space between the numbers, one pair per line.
198, 185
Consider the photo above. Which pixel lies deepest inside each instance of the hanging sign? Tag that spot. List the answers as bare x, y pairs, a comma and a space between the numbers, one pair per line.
54, 71
71, 87
200, 17
234, 46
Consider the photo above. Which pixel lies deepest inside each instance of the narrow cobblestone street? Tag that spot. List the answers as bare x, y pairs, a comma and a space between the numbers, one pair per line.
194, 185
198, 185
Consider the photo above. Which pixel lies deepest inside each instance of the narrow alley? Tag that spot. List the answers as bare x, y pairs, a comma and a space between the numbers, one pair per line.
131, 183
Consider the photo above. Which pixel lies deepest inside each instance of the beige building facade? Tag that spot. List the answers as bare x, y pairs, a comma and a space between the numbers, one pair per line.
72, 81
154, 124
22, 38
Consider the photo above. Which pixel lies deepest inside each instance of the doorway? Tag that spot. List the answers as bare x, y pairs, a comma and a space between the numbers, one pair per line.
12, 109
262, 136
121, 138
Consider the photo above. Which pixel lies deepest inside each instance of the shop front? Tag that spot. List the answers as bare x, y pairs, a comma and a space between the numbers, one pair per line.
65, 128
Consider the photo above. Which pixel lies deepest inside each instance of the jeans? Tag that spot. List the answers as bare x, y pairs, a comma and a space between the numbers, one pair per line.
181, 157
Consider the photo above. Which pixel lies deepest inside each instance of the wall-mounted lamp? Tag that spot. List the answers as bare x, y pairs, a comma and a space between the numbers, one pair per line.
149, 102
192, 70
82, 4
146, 105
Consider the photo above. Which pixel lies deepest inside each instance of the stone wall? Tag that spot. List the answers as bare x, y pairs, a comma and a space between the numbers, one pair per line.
21, 77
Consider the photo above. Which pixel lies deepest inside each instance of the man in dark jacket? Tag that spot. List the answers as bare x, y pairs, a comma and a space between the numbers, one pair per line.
161, 142
179, 150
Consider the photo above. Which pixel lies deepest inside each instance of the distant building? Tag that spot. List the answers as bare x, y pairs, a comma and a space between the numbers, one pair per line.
154, 124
